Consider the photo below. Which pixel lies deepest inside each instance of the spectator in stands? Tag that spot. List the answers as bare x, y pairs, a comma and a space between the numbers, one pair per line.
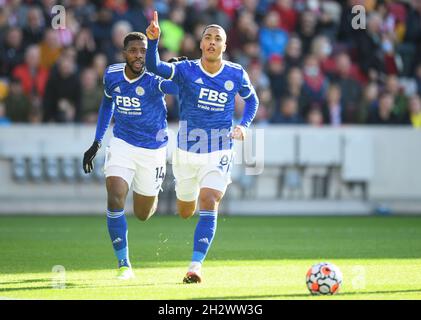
329, 18
17, 13
383, 115
63, 93
244, 30
273, 40
317, 27
189, 48
102, 27
118, 7
99, 63
415, 111
250, 7
307, 30
413, 31
3, 25
47, 10
351, 90
258, 78
287, 15
333, 111
368, 103
346, 33
293, 53
212, 14
315, 117
32, 75
12, 51
4, 88
321, 48
276, 75
400, 103
315, 83
83, 11
294, 87
370, 53
418, 79
67, 35
288, 112
18, 105
252, 52
92, 93
114, 50
172, 31
266, 107
34, 30
50, 48
85, 46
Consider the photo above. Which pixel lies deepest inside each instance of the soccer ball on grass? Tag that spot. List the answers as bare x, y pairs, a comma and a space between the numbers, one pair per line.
324, 279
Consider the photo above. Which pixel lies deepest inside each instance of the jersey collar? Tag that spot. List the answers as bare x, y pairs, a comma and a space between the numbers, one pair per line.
135, 79
212, 75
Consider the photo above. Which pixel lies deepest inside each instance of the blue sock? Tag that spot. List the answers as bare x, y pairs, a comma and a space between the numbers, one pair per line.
117, 228
203, 235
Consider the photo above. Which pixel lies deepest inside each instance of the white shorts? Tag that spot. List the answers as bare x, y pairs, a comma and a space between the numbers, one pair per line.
144, 167
193, 171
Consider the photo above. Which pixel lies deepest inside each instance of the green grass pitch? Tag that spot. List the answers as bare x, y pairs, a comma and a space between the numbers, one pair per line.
251, 257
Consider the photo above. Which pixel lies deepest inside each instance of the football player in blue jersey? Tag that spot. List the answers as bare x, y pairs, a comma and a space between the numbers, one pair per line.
203, 159
136, 155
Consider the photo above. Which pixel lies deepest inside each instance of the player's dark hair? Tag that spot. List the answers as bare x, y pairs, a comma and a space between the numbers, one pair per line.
212, 26
133, 36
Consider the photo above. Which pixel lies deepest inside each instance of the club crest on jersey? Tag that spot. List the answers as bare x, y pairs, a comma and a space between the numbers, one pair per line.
229, 85
140, 91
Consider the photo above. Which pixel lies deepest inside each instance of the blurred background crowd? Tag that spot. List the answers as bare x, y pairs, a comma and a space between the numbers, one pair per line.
307, 63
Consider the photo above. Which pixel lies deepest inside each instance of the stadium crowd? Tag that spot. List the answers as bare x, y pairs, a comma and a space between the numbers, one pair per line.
306, 61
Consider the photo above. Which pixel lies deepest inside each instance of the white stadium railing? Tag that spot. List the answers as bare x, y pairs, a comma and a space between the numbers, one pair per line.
348, 170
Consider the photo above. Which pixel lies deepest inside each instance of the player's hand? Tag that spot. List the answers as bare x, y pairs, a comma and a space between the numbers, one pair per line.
89, 156
239, 133
177, 59
153, 31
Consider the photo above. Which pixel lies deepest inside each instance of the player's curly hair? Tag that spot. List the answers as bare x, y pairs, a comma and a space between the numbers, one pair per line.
133, 36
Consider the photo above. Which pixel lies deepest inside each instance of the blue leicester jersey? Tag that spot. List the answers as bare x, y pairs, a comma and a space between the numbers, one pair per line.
207, 104
139, 107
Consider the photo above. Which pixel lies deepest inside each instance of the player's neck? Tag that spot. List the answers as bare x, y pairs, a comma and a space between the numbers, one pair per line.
211, 66
130, 74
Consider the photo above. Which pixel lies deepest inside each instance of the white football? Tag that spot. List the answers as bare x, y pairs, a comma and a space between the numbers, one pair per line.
324, 279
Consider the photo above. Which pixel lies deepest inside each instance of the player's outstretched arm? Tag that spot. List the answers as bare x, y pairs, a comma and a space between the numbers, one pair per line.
153, 61
104, 117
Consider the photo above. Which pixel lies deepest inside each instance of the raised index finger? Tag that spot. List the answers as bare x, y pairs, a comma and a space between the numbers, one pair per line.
155, 16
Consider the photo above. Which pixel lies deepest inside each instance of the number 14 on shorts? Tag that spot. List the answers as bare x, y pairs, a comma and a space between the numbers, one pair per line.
160, 173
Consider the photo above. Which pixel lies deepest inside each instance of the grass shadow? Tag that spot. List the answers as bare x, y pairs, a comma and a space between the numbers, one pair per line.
307, 295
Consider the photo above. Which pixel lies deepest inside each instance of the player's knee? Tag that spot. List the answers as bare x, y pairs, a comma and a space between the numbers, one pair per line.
186, 209
186, 213
210, 200
143, 213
